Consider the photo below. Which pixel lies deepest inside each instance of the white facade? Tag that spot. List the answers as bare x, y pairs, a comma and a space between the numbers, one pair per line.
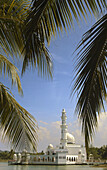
64, 127
67, 152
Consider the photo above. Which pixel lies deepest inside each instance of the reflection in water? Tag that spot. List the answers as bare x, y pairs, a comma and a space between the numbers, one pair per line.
71, 167
19, 167
4, 166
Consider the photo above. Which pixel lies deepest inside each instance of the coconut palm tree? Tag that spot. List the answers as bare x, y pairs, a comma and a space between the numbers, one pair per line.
91, 77
45, 18
25, 27
17, 124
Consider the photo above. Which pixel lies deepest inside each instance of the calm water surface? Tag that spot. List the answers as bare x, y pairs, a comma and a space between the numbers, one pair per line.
4, 166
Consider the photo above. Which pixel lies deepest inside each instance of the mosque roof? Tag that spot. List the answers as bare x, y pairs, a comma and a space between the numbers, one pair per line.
50, 146
70, 138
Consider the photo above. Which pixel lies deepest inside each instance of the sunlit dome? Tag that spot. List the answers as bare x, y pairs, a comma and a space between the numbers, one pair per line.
50, 146
80, 151
25, 150
70, 138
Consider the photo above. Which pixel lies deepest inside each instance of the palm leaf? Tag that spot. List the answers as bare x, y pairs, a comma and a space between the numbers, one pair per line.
7, 68
11, 36
12, 16
17, 124
11, 25
91, 77
47, 17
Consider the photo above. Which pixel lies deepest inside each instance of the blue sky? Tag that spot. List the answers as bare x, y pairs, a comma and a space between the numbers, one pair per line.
45, 99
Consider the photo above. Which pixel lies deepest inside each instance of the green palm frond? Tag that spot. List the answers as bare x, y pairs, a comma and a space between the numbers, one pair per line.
11, 25
91, 76
17, 124
8, 69
52, 15
26, 27
47, 17
11, 36
12, 16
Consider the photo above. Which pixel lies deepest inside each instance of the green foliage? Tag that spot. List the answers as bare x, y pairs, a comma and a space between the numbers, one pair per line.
45, 20
6, 155
17, 125
39, 153
25, 28
98, 152
105, 153
91, 77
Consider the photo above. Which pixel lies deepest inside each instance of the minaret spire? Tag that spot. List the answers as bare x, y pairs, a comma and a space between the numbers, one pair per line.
63, 129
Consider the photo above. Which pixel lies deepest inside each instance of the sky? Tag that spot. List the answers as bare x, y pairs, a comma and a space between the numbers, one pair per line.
45, 99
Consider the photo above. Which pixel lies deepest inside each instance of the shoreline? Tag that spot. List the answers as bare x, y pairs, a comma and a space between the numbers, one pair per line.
95, 165
100, 165
3, 160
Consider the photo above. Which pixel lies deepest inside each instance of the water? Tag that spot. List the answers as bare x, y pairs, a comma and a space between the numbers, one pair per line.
4, 166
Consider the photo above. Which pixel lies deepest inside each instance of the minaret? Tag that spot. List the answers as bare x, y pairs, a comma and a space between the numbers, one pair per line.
64, 127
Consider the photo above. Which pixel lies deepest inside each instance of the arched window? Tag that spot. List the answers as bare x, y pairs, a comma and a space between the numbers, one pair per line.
35, 159
53, 159
43, 159
69, 159
48, 159
39, 159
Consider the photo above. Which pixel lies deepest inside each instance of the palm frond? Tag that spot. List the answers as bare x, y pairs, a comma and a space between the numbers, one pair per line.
11, 26
12, 16
17, 124
8, 69
46, 18
46, 13
91, 77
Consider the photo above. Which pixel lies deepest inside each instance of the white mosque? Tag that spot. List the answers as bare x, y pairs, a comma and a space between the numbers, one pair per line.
66, 153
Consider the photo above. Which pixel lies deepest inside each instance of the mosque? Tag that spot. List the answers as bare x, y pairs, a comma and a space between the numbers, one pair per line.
66, 153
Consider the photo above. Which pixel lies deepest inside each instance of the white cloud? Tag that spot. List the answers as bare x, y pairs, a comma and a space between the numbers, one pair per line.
4, 144
51, 133
56, 124
101, 133
75, 129
43, 133
45, 123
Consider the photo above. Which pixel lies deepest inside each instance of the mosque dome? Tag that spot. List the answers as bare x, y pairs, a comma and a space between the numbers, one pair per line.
70, 138
80, 151
25, 151
50, 146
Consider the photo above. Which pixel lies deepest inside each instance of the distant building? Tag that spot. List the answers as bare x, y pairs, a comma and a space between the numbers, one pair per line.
67, 152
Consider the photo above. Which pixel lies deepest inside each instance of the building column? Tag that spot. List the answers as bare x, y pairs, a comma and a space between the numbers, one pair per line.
64, 128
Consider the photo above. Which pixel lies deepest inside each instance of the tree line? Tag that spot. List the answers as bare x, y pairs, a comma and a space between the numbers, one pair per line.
26, 29
8, 155
98, 153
